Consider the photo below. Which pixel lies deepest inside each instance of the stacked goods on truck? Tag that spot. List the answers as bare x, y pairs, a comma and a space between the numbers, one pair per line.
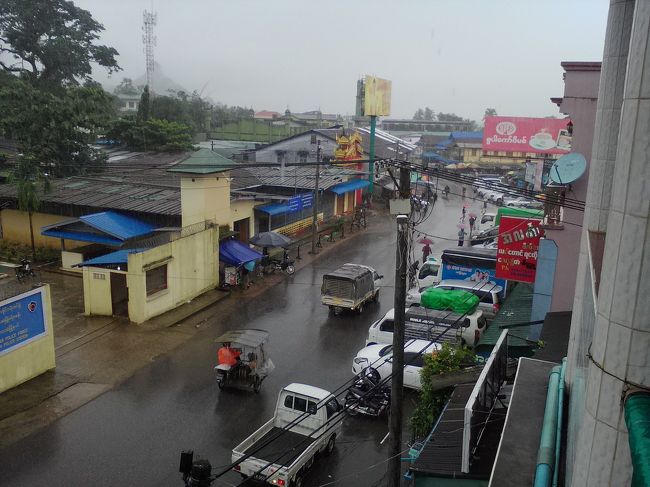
476, 265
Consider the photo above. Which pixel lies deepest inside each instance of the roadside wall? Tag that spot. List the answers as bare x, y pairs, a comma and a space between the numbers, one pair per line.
26, 337
15, 228
191, 269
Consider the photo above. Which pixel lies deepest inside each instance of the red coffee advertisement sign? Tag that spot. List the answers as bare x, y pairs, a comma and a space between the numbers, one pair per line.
522, 134
517, 248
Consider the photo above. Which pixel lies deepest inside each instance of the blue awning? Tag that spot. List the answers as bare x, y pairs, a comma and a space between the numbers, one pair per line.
348, 186
106, 227
235, 253
117, 257
275, 208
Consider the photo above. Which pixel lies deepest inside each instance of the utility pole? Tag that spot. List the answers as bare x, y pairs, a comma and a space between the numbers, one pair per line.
371, 162
314, 222
397, 383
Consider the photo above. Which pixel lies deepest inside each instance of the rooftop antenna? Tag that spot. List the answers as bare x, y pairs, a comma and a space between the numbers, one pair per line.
149, 20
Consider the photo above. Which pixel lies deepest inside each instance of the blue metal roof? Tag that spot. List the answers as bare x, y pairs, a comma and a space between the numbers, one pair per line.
107, 227
118, 225
274, 208
349, 186
235, 253
117, 257
466, 135
433, 156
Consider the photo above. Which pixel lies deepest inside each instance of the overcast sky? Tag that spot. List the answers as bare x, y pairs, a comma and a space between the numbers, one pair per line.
451, 55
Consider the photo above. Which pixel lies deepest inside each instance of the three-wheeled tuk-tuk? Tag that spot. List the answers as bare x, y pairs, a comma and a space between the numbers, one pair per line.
242, 359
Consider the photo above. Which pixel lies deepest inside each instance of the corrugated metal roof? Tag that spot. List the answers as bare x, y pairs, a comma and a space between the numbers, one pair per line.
274, 208
117, 257
515, 309
117, 225
348, 186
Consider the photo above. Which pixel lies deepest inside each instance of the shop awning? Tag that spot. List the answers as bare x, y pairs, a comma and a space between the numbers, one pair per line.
235, 253
348, 186
274, 208
106, 227
117, 257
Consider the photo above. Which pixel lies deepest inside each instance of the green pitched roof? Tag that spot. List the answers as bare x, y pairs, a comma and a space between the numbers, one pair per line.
516, 309
204, 161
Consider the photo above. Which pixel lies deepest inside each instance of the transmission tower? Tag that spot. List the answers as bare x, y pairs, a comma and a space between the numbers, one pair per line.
149, 41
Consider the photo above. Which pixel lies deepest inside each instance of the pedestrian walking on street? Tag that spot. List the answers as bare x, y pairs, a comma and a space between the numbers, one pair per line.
463, 210
461, 237
485, 204
472, 220
426, 252
435, 198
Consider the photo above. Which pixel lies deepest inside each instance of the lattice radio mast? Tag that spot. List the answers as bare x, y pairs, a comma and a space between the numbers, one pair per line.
149, 41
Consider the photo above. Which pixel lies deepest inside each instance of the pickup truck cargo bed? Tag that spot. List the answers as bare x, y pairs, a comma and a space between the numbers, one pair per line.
283, 450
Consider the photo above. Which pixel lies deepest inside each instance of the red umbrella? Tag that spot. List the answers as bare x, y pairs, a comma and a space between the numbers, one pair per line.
425, 241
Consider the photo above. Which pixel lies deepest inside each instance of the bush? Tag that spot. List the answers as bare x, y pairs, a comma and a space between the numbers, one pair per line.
13, 252
430, 403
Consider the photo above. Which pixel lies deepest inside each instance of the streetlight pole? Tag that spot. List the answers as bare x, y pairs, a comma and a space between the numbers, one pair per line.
314, 222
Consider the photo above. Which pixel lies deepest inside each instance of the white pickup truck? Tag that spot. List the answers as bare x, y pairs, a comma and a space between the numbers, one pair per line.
306, 422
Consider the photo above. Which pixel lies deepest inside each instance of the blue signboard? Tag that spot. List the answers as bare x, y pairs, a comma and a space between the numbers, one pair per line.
300, 202
473, 274
22, 320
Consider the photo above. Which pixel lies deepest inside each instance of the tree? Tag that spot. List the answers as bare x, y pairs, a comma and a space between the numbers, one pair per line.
419, 114
145, 105
51, 42
56, 128
26, 178
429, 114
449, 117
490, 112
126, 88
153, 134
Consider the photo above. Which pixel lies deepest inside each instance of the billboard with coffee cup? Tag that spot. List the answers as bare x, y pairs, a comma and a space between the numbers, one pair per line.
524, 134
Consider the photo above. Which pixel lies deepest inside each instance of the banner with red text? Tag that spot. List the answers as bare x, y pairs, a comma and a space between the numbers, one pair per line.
522, 134
517, 248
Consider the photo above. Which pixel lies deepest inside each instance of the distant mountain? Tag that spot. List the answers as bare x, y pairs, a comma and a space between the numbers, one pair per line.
161, 83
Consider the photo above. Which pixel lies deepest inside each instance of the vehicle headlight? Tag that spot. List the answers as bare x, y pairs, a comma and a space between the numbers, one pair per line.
360, 360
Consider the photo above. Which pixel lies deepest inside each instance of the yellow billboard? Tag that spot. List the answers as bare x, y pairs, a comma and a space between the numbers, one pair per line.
377, 96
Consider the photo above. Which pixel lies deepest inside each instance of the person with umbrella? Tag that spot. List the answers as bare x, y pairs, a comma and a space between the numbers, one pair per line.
426, 249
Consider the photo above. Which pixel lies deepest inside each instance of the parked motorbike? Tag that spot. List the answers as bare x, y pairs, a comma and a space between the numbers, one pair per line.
24, 270
366, 396
284, 265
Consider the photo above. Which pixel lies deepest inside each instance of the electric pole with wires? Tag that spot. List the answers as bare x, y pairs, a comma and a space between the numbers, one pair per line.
397, 384
314, 222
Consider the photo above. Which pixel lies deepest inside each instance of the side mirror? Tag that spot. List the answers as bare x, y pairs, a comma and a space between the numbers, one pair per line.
381, 277
312, 409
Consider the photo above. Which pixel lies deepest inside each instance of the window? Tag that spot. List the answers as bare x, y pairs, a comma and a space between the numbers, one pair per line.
156, 279
332, 407
428, 270
288, 402
413, 359
387, 325
311, 407
300, 404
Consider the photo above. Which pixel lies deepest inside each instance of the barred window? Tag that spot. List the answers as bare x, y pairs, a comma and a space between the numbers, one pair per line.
156, 279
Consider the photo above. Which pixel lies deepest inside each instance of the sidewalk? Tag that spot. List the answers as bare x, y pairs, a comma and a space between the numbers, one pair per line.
87, 348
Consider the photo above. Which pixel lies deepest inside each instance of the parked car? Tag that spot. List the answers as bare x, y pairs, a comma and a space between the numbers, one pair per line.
486, 235
487, 244
488, 218
487, 292
350, 287
430, 324
380, 356
429, 273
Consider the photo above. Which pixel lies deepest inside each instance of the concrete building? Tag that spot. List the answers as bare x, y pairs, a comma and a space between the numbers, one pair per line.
610, 329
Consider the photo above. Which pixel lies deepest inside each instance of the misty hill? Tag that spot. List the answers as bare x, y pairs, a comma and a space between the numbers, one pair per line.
161, 83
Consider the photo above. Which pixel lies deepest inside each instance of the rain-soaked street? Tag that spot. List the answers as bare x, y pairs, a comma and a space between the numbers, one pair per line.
133, 434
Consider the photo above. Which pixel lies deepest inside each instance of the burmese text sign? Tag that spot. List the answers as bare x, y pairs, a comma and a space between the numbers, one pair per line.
525, 134
517, 248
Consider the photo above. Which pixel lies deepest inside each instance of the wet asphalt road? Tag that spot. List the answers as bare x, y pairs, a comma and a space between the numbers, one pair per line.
132, 435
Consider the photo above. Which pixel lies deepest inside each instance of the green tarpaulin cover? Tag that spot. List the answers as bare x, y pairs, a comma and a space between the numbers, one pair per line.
454, 300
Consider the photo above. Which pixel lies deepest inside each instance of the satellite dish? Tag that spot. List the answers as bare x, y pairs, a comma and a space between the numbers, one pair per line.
568, 168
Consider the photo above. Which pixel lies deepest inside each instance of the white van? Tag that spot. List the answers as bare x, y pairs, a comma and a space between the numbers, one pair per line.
430, 324
429, 273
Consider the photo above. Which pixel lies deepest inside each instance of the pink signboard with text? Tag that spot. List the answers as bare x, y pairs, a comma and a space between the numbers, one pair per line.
517, 246
522, 134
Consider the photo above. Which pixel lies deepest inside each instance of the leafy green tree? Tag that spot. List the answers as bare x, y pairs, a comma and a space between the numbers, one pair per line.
27, 178
56, 128
151, 135
429, 114
126, 88
51, 43
171, 109
419, 114
490, 112
144, 106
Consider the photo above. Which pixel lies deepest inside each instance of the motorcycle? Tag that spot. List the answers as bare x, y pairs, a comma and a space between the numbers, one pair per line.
367, 396
284, 265
24, 270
